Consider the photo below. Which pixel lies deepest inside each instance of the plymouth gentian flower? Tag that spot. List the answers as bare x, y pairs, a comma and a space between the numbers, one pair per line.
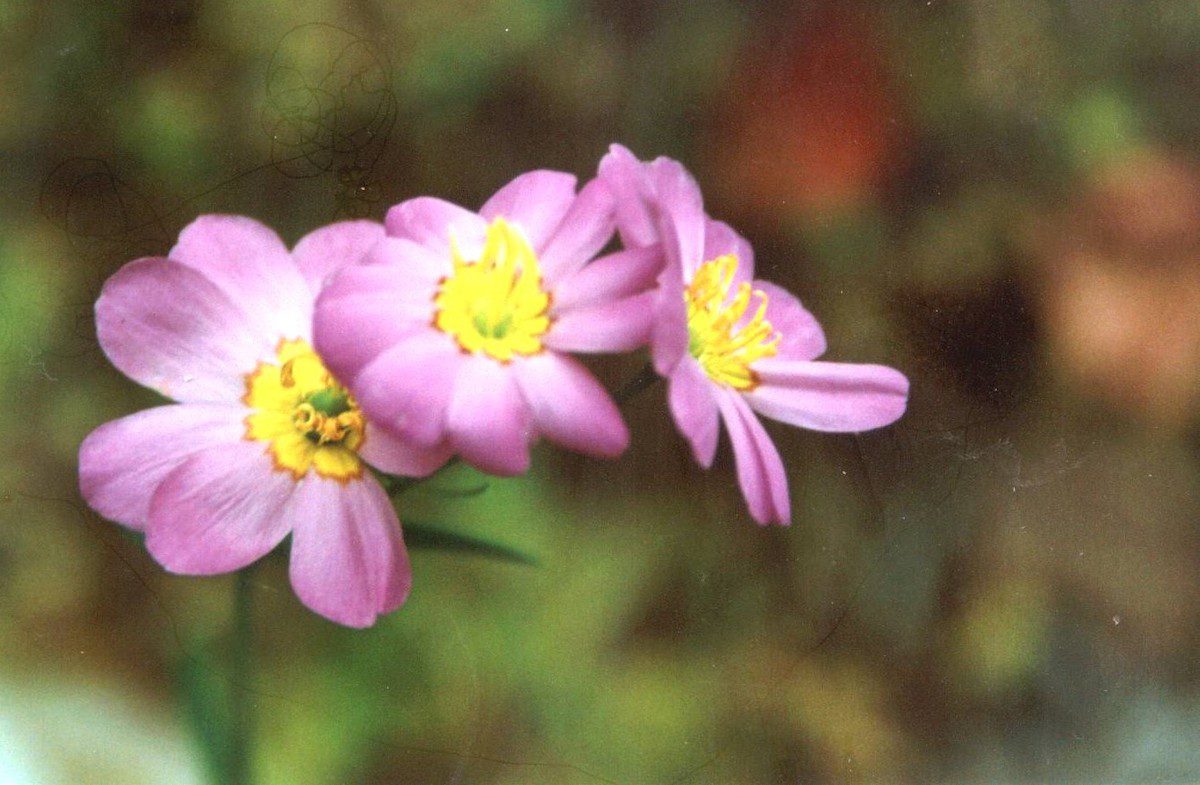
455, 329
263, 441
730, 345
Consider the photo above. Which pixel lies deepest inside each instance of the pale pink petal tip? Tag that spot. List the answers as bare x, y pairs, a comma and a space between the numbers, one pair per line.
122, 462
825, 396
761, 475
220, 510
326, 250
569, 407
488, 420
348, 560
536, 201
168, 327
249, 262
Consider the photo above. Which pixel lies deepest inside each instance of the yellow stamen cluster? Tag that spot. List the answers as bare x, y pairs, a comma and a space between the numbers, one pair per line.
495, 304
721, 339
305, 416
324, 428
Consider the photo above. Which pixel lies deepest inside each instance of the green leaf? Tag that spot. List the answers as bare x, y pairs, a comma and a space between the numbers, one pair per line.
421, 536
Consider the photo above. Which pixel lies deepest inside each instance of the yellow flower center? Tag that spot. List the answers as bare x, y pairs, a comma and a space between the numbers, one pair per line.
304, 414
495, 304
719, 337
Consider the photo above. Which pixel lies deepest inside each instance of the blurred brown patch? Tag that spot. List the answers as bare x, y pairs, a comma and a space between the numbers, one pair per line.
1120, 287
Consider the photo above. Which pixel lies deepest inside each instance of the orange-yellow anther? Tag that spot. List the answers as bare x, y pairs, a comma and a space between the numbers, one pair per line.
305, 416
722, 340
495, 304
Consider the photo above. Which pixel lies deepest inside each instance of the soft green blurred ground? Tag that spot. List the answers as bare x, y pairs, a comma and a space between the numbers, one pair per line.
1001, 588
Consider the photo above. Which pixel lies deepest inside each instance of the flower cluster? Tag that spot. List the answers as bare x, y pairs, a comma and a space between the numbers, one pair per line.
442, 332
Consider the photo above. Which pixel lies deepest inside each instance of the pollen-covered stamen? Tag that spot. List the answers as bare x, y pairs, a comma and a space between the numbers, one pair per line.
495, 304
327, 416
305, 416
721, 339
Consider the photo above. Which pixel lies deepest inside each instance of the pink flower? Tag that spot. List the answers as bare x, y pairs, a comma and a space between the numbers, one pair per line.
264, 441
455, 329
730, 345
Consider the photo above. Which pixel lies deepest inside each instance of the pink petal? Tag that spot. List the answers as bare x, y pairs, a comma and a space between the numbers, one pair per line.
249, 262
583, 231
122, 462
348, 559
628, 180
170, 328
720, 239
681, 219
693, 403
615, 326
570, 407
330, 248
366, 309
801, 336
219, 510
829, 396
669, 332
760, 471
421, 267
431, 222
536, 201
610, 277
407, 389
401, 456
488, 420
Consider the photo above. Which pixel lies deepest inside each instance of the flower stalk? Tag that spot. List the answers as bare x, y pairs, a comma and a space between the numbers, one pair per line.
241, 728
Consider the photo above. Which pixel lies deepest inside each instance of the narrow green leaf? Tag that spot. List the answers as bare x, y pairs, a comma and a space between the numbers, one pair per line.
421, 536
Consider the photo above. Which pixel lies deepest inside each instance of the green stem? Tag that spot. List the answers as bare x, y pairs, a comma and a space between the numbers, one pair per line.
241, 728
644, 380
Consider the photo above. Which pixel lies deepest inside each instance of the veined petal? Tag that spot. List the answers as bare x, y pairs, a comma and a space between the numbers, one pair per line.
800, 335
669, 333
432, 222
615, 326
394, 455
122, 462
720, 239
583, 231
569, 406
420, 266
407, 388
348, 560
610, 277
680, 215
628, 180
366, 309
760, 471
249, 262
219, 510
168, 327
330, 248
692, 398
822, 396
488, 420
536, 201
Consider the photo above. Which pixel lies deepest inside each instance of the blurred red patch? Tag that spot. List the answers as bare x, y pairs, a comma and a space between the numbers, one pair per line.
811, 123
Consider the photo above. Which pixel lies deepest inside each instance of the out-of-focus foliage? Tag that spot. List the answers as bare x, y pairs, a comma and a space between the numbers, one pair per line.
1000, 197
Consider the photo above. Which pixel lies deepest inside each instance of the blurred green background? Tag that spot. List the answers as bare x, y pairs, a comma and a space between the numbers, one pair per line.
1000, 197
